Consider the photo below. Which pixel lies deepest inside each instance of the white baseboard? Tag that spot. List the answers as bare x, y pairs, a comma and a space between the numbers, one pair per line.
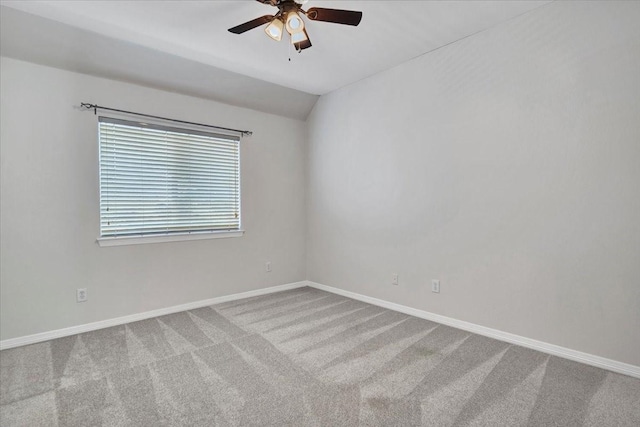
589, 359
578, 356
59, 333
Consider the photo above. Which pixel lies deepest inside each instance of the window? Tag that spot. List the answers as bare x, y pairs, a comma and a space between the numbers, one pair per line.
163, 181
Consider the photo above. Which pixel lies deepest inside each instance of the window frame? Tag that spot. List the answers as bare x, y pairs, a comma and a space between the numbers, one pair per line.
135, 239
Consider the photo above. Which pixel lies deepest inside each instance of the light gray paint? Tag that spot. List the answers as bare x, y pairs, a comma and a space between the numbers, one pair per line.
32, 38
505, 165
50, 211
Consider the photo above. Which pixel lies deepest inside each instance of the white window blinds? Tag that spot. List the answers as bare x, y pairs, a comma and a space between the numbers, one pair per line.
164, 180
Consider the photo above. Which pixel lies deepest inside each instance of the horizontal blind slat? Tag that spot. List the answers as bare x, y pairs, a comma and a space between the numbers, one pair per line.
142, 143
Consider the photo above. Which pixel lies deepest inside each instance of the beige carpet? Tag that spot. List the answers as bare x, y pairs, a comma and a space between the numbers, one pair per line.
302, 358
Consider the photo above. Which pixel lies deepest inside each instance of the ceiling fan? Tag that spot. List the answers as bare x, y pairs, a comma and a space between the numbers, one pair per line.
288, 18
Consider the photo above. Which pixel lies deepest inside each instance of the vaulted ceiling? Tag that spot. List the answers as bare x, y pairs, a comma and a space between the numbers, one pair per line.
184, 46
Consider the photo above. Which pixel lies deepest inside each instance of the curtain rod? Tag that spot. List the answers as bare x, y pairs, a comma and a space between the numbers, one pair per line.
95, 108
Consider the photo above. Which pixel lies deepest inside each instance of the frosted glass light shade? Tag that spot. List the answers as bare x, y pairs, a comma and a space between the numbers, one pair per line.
295, 24
299, 37
275, 29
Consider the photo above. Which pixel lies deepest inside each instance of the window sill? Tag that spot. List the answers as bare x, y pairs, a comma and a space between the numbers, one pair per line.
163, 238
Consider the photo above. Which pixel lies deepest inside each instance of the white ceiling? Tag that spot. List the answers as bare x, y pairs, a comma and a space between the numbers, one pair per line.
43, 41
391, 32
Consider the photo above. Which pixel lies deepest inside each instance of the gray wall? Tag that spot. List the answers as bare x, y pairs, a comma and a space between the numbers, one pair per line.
507, 165
50, 210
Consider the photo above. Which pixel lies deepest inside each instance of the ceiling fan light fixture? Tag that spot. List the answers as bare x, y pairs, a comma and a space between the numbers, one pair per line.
299, 37
275, 29
295, 24
289, 18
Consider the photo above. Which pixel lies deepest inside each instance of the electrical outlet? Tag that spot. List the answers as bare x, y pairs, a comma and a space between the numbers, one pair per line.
394, 279
267, 266
435, 286
81, 295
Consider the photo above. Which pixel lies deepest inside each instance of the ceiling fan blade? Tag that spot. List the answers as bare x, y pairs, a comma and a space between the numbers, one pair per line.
251, 24
304, 44
337, 16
